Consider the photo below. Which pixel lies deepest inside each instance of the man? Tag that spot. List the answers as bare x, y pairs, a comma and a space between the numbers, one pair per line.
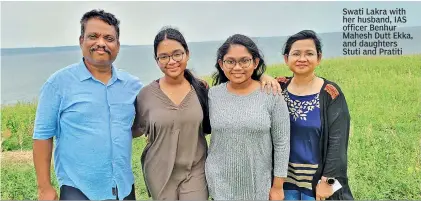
88, 108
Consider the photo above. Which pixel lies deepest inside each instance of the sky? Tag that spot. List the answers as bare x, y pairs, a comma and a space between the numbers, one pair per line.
46, 24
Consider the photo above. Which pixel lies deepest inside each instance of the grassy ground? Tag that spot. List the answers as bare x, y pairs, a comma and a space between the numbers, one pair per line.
383, 94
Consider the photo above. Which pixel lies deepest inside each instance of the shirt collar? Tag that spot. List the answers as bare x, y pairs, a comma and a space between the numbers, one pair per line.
84, 73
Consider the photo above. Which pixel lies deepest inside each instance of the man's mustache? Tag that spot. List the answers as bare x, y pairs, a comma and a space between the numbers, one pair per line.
92, 49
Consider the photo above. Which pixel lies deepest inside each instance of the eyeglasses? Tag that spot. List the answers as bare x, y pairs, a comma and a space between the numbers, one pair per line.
166, 58
230, 63
308, 55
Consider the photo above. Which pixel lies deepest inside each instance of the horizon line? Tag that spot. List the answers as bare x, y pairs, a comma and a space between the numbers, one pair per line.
204, 41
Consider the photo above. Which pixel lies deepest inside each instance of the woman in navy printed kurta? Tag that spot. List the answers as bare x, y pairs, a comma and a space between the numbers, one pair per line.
319, 120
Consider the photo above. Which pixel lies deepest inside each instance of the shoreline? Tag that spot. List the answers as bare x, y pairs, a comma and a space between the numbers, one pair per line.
268, 67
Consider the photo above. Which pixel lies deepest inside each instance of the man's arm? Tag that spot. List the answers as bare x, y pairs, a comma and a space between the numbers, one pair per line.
45, 128
42, 152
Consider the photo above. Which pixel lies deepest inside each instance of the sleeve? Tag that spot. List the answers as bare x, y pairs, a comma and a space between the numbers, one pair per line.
207, 128
338, 118
283, 81
139, 123
280, 131
46, 118
205, 84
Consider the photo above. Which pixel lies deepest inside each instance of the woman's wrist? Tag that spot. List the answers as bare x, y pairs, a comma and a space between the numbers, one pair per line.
278, 182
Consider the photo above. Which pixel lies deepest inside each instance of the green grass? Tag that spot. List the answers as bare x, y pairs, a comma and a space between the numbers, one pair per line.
17, 126
383, 95
18, 181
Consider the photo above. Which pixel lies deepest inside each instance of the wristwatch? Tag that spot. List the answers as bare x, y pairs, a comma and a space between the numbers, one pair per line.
330, 180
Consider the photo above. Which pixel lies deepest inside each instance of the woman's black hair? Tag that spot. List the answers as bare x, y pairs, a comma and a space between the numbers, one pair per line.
238, 39
199, 86
303, 35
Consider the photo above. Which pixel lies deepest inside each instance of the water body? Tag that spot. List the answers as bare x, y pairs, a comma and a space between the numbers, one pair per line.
24, 70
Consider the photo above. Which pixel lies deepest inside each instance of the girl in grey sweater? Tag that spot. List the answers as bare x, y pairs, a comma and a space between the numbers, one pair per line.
249, 148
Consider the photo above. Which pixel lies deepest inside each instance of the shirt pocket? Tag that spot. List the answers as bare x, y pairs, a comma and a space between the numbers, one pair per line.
83, 109
122, 114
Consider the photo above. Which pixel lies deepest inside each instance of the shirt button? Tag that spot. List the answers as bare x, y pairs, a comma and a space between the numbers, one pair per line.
114, 191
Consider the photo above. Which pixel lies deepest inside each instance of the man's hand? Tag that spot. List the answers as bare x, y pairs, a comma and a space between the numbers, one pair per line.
323, 190
47, 193
276, 194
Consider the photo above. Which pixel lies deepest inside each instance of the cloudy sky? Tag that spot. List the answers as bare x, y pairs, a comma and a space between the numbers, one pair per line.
40, 24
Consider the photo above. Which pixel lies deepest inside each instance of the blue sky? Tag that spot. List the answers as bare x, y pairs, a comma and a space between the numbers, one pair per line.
40, 24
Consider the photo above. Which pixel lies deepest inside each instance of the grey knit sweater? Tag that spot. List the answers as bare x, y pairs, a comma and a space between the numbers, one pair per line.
244, 131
